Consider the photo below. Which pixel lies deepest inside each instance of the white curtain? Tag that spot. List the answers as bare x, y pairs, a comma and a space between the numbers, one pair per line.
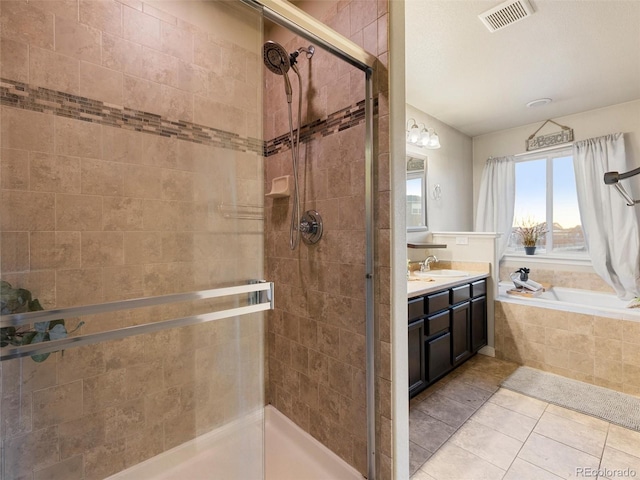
497, 199
610, 227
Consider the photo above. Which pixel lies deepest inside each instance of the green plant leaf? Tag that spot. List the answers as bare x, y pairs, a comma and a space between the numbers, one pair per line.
58, 332
41, 327
34, 306
40, 357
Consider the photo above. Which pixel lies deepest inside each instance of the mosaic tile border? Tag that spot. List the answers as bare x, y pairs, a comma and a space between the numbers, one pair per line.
39, 99
44, 100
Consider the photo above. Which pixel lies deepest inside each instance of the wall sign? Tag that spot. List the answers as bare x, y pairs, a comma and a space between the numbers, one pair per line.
551, 139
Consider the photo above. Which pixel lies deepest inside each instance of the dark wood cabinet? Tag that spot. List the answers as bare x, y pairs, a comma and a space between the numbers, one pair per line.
445, 329
460, 332
478, 323
438, 357
417, 366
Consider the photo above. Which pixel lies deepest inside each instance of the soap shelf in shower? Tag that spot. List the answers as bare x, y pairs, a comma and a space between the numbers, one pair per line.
242, 211
280, 187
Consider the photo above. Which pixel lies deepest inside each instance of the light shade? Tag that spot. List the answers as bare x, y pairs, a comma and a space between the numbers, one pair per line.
418, 134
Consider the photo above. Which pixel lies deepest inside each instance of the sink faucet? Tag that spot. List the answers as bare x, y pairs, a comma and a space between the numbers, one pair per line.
426, 265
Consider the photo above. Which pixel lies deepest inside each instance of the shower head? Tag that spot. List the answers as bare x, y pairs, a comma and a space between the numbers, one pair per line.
276, 59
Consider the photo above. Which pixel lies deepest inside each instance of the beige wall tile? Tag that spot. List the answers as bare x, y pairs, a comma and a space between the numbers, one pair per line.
193, 79
141, 28
631, 354
22, 22
54, 173
53, 70
206, 53
77, 40
32, 451
122, 283
177, 185
177, 42
159, 67
78, 212
143, 95
57, 404
14, 60
102, 249
27, 211
159, 151
78, 287
631, 332
55, 250
122, 213
120, 145
22, 376
41, 283
81, 362
60, 8
121, 55
70, 469
26, 130
14, 251
104, 390
105, 15
15, 414
78, 436
218, 115
177, 104
102, 178
100, 83
78, 138
15, 169
142, 182
142, 247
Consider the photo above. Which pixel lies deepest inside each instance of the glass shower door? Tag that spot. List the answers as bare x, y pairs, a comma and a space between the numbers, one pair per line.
131, 200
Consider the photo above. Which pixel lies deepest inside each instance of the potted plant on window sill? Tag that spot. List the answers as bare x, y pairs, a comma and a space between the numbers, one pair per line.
529, 231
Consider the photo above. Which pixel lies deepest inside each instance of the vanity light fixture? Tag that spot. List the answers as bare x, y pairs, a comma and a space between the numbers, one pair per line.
418, 134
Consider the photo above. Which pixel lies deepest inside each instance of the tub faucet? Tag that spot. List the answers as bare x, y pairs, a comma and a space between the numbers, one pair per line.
426, 265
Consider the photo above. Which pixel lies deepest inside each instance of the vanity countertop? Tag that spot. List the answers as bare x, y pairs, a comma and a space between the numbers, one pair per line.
415, 288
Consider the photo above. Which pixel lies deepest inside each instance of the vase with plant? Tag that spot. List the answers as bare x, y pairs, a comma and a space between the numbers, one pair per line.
529, 231
20, 300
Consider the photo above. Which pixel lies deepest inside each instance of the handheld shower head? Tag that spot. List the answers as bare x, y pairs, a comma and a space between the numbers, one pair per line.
276, 59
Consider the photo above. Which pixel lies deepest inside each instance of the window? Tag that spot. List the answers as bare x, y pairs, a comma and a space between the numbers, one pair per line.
546, 192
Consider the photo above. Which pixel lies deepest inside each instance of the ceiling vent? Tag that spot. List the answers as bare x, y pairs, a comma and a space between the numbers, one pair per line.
505, 14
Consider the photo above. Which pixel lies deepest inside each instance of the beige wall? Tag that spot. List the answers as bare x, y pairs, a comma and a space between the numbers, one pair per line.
450, 167
104, 205
317, 332
624, 117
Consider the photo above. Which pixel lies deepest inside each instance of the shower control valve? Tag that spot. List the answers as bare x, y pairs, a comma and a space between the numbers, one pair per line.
311, 227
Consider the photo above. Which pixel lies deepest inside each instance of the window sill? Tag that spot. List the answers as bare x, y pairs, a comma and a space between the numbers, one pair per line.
543, 258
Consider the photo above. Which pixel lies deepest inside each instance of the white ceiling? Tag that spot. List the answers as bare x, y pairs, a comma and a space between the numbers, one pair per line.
583, 54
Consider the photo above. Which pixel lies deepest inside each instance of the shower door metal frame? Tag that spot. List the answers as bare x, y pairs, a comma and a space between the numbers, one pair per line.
301, 23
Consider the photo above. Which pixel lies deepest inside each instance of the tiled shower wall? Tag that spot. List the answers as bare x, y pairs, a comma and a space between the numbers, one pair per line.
316, 335
124, 127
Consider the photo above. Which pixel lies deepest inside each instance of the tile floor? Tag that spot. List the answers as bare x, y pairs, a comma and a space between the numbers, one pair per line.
466, 427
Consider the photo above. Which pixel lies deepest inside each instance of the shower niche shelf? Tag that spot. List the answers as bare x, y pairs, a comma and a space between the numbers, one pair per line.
280, 187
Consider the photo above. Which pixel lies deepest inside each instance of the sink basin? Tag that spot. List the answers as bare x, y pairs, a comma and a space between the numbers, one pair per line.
441, 274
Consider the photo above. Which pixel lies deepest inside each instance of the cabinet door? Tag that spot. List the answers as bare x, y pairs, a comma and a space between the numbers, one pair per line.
461, 332
417, 376
478, 323
438, 357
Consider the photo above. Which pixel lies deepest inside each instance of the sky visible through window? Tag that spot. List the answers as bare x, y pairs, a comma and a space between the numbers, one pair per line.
531, 196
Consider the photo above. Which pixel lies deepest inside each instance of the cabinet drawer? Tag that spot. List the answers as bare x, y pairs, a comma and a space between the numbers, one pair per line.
479, 288
416, 308
437, 323
437, 301
460, 294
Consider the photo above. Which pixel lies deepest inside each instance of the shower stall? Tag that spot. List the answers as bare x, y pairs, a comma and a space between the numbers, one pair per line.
154, 299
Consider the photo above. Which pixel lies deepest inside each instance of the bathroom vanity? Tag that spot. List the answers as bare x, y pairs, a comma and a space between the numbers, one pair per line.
447, 325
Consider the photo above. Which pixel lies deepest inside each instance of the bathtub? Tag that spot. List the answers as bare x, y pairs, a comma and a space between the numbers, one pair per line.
574, 300
289, 454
